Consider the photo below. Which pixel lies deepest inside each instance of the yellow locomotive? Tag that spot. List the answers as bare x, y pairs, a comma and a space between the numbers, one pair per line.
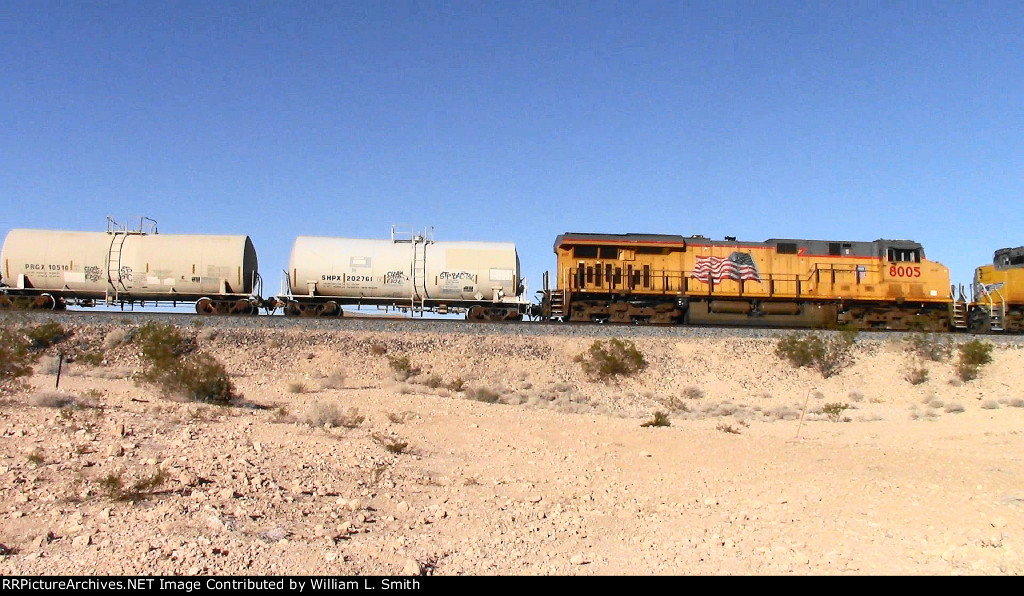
998, 303
655, 278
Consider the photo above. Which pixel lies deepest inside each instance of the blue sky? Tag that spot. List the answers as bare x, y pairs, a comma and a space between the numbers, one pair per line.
518, 121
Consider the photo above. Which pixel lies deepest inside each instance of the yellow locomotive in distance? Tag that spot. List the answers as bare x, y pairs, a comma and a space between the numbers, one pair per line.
656, 278
998, 303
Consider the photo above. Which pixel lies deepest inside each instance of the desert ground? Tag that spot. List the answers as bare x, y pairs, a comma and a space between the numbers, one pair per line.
501, 455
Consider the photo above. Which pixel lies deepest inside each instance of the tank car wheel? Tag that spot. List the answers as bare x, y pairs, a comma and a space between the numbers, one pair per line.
476, 313
330, 309
204, 306
292, 309
46, 302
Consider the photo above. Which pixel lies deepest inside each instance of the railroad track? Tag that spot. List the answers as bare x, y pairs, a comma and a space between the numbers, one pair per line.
402, 324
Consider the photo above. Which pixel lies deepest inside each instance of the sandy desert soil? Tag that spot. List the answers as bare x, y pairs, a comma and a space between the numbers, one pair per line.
557, 477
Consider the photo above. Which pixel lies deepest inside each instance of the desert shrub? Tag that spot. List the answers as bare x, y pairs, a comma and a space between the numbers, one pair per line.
433, 381
162, 343
378, 349
53, 399
320, 414
973, 355
990, 404
402, 368
930, 346
391, 444
90, 358
114, 486
953, 408
115, 338
827, 355
16, 358
484, 394
613, 358
916, 374
834, 410
693, 392
658, 419
45, 335
195, 378
335, 380
352, 418
177, 371
296, 387
728, 428
457, 385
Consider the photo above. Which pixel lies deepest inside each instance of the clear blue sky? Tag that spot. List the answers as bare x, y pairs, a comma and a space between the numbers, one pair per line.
517, 121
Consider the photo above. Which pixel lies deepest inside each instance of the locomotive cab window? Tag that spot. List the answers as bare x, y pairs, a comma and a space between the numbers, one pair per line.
786, 248
903, 255
584, 252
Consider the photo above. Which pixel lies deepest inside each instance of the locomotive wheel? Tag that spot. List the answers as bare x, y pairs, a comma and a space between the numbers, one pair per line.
204, 306
977, 322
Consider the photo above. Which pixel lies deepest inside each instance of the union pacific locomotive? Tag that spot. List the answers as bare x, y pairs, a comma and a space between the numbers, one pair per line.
606, 278
641, 278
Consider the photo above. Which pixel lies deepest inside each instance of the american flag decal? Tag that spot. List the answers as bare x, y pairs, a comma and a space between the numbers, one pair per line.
739, 266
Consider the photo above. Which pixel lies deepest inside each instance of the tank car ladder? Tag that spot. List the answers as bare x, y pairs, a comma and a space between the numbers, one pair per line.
114, 277
418, 296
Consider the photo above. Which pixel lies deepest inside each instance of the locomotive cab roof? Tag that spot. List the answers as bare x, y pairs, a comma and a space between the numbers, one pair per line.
1008, 258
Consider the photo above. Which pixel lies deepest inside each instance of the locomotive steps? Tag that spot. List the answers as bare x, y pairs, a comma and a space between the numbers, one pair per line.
556, 476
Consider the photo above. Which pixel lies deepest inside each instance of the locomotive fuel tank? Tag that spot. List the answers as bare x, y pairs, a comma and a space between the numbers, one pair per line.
130, 266
480, 278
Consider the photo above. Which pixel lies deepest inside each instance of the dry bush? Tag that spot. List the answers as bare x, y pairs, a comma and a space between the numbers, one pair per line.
378, 349
53, 399
484, 394
990, 404
113, 485
16, 357
728, 428
972, 356
658, 419
953, 408
916, 374
391, 444
402, 368
930, 346
296, 387
693, 392
611, 359
178, 372
335, 380
116, 337
834, 411
827, 355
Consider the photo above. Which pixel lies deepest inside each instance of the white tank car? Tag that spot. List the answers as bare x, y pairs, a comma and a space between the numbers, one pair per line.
416, 274
51, 268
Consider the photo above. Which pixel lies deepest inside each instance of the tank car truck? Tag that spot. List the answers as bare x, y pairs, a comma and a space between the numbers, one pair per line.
51, 269
998, 294
653, 278
410, 272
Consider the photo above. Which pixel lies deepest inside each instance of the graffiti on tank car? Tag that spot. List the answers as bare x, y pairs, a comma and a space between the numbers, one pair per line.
395, 278
92, 273
125, 273
455, 275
